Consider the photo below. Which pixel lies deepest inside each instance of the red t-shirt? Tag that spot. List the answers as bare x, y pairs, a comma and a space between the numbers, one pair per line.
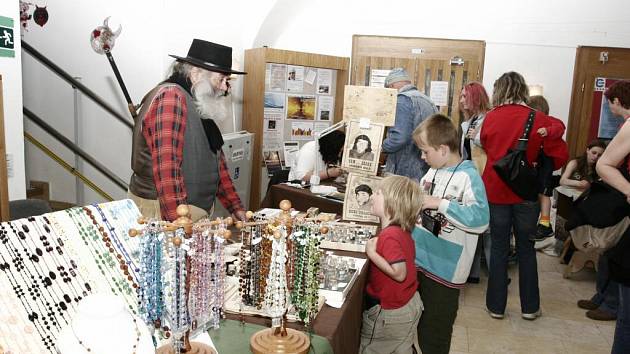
395, 245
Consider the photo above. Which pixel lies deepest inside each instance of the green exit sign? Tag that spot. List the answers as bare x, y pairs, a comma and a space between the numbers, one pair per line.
7, 38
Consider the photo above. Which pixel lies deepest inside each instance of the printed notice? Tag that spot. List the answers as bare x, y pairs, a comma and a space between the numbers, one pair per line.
325, 108
295, 78
324, 80
439, 93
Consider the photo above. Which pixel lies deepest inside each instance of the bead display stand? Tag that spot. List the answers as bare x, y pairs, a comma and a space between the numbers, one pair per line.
183, 221
280, 339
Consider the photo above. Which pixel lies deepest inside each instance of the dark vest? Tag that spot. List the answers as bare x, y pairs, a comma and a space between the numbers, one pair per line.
200, 166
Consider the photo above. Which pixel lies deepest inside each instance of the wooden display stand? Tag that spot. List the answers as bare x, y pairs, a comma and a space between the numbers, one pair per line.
425, 59
254, 94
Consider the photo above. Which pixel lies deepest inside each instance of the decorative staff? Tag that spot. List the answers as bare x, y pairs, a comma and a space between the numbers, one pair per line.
102, 40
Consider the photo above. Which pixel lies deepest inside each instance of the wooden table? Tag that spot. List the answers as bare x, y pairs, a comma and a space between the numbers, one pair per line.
342, 327
301, 199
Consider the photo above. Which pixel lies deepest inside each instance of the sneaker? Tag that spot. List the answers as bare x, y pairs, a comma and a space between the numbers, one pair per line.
542, 232
587, 304
546, 243
531, 316
496, 316
600, 315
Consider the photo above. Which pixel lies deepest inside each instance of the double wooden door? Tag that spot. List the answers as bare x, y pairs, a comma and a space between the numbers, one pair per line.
454, 61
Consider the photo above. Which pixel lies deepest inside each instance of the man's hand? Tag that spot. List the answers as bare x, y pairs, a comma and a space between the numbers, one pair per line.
240, 215
542, 132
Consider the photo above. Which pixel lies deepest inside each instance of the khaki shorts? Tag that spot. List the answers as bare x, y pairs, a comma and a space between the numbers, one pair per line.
150, 208
391, 331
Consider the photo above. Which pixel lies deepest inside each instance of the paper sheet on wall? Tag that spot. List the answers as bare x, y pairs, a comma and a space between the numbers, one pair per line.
324, 80
377, 77
301, 106
439, 93
302, 130
277, 76
291, 149
295, 78
377, 104
326, 108
310, 76
319, 126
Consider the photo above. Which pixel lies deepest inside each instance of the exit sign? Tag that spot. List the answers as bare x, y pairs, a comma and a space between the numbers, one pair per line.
7, 38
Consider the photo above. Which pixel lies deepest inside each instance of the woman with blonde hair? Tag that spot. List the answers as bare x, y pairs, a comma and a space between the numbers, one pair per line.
502, 128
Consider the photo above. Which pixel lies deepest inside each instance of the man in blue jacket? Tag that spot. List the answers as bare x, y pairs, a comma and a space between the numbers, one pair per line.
412, 107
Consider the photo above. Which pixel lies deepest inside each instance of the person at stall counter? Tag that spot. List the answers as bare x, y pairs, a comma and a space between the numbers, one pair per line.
176, 152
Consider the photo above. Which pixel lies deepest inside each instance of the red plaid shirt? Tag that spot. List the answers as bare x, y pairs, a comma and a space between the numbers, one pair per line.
163, 129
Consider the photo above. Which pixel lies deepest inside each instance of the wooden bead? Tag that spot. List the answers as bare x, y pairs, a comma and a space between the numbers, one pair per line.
228, 221
249, 214
133, 232
182, 210
177, 241
227, 234
276, 234
285, 205
324, 230
239, 224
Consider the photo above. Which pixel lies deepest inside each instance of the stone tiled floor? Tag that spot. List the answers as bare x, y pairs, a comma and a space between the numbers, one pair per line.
563, 327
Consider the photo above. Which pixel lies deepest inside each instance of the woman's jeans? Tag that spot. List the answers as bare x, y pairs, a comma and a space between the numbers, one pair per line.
522, 219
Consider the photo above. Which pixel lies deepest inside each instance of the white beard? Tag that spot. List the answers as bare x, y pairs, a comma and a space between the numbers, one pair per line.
209, 102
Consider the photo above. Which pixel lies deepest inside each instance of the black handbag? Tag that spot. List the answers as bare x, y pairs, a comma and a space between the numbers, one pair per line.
514, 169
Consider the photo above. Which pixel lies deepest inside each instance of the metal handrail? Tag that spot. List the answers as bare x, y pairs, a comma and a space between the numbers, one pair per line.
74, 148
67, 166
72, 81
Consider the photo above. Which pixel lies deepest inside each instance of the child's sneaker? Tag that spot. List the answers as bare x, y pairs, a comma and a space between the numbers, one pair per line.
542, 232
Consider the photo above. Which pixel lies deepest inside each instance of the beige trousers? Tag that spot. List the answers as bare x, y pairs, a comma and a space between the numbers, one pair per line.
150, 208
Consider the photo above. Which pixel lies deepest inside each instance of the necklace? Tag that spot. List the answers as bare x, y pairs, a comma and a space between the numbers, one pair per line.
89, 349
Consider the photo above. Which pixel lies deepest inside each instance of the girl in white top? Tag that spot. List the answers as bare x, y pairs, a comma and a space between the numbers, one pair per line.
306, 160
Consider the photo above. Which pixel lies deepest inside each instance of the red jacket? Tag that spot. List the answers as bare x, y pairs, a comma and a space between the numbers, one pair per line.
553, 142
501, 129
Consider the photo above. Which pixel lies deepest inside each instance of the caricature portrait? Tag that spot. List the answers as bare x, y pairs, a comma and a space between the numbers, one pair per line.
362, 148
363, 196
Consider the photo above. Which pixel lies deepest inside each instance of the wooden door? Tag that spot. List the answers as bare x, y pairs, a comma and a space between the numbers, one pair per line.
593, 67
425, 59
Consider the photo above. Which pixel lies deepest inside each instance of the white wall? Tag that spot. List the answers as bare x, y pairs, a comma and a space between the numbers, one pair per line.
11, 71
537, 38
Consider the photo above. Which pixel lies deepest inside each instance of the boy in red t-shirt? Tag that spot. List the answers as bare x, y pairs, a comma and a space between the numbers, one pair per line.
394, 305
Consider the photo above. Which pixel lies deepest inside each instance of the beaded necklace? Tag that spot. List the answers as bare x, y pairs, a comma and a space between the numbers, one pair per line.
49, 275
59, 263
275, 292
33, 288
104, 260
129, 262
46, 337
150, 296
88, 349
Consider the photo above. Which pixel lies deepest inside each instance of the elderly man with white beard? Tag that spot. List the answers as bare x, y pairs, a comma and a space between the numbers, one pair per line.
176, 153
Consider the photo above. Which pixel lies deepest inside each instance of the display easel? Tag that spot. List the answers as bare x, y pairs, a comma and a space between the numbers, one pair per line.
254, 94
4, 186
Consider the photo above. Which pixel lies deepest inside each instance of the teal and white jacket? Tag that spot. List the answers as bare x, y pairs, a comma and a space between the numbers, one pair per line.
447, 258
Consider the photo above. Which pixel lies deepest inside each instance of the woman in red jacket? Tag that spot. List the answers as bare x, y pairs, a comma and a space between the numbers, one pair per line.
501, 130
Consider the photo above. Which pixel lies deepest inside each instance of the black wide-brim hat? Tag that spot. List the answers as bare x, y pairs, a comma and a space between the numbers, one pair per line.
210, 56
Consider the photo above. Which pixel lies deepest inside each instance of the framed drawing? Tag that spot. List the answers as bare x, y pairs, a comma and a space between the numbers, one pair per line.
358, 201
362, 147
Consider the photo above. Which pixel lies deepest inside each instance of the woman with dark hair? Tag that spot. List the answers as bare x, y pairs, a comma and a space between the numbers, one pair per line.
306, 160
362, 148
580, 173
501, 130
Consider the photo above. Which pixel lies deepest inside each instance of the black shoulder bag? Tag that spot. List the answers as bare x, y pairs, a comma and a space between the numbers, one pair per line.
514, 169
